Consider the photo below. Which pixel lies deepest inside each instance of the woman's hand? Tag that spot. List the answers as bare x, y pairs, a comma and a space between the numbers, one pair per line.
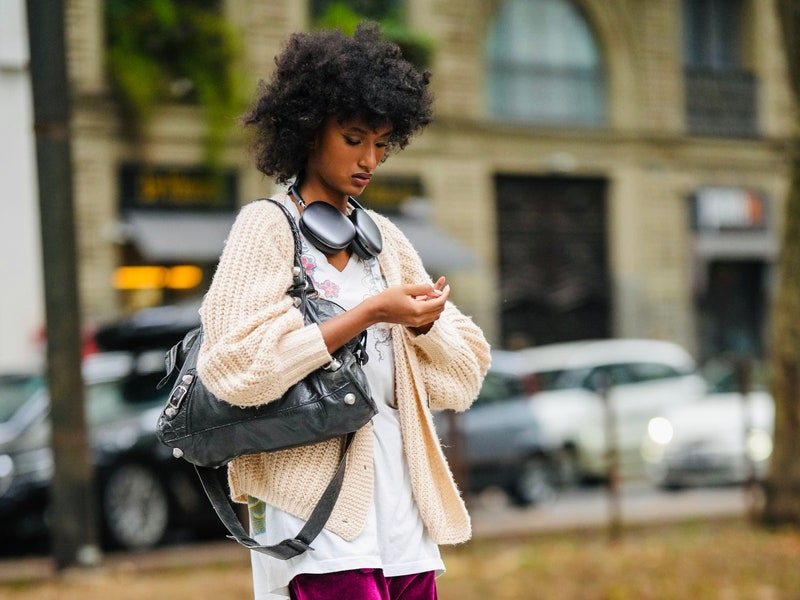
423, 329
417, 305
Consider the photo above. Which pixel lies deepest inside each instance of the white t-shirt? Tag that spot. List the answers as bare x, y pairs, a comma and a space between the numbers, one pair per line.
394, 537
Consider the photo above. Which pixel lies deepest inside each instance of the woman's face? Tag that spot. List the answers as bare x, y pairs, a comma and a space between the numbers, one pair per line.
344, 156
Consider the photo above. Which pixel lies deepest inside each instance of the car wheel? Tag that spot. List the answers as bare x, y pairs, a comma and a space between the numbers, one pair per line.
135, 507
534, 483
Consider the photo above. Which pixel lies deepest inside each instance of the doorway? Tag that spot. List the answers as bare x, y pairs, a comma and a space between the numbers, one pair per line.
554, 274
732, 308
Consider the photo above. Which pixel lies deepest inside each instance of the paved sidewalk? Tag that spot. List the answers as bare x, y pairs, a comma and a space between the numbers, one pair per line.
492, 516
587, 509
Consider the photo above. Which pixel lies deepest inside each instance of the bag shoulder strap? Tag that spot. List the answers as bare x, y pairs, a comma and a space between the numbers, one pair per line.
302, 284
291, 547
288, 548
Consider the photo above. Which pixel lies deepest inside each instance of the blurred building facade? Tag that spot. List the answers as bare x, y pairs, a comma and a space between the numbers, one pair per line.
614, 168
22, 303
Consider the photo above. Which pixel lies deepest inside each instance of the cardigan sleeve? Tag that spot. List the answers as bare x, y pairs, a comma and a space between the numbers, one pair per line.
256, 344
454, 354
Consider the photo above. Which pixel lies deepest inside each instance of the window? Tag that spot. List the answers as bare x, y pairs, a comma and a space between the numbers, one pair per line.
104, 402
544, 65
720, 91
15, 390
641, 372
607, 374
498, 387
712, 33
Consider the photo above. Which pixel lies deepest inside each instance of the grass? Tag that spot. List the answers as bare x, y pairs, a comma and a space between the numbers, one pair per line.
727, 560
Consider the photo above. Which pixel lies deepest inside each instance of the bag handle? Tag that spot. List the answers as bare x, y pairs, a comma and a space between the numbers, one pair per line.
288, 548
302, 284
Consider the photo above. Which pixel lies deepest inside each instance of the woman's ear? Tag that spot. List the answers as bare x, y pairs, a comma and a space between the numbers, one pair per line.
314, 141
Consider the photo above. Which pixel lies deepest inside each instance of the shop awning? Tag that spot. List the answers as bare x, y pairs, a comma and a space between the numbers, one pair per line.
198, 237
179, 237
441, 253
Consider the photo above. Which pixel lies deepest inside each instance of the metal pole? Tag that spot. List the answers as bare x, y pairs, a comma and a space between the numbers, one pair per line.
603, 388
72, 510
456, 454
743, 373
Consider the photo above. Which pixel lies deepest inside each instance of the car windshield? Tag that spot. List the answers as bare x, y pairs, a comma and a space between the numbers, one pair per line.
497, 386
722, 378
110, 400
564, 379
557, 380
14, 392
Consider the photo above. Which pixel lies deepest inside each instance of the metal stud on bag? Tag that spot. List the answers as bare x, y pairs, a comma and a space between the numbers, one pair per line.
334, 365
350, 398
177, 452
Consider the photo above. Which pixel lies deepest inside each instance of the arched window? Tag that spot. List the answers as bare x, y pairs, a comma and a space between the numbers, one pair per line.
544, 65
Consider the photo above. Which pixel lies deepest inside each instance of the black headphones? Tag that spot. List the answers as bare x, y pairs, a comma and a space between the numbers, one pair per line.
330, 231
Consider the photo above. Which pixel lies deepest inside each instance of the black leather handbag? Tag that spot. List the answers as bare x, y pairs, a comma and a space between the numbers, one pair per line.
332, 401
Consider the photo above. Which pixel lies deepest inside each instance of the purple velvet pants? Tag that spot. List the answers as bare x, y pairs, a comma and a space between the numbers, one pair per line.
363, 584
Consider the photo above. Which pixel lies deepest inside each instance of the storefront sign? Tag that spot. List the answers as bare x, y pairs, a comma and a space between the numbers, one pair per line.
179, 188
728, 209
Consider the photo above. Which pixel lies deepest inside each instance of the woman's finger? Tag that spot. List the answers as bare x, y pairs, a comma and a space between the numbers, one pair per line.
420, 289
432, 305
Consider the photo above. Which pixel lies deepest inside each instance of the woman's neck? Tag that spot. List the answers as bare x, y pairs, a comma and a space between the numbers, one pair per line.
313, 190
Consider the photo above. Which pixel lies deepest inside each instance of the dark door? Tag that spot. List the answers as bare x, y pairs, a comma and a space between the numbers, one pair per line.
553, 259
732, 309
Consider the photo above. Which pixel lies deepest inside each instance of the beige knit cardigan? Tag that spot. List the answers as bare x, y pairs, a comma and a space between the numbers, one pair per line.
256, 346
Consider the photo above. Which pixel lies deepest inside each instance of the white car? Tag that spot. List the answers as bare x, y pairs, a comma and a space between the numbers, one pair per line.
645, 377
714, 442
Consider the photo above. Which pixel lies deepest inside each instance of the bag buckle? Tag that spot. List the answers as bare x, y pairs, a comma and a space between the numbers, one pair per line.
178, 394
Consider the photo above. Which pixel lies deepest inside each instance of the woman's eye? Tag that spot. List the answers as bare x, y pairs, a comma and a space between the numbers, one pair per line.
382, 144
351, 141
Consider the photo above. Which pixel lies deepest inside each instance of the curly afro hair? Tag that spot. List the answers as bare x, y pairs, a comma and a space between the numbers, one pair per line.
326, 73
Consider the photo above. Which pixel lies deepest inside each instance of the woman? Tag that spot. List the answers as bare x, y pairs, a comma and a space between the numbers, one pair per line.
334, 108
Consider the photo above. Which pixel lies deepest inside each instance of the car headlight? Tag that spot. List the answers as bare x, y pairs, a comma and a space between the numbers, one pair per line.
660, 430
6, 472
759, 445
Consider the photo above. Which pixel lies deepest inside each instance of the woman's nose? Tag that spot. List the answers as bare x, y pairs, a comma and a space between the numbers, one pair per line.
368, 159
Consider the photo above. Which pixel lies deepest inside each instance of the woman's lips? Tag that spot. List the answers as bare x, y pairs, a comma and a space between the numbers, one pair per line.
360, 180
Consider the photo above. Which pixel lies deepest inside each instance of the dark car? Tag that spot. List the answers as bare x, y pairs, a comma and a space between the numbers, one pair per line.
142, 491
503, 445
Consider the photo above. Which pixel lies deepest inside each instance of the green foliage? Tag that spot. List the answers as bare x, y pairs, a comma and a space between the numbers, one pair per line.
174, 51
377, 10
346, 15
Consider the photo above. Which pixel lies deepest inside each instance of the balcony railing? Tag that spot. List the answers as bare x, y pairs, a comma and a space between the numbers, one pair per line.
721, 102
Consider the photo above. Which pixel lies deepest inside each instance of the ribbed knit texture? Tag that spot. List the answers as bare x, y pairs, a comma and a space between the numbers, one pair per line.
256, 346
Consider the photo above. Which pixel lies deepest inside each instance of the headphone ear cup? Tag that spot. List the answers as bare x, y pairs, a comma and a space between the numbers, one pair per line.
360, 249
317, 242
367, 241
327, 228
